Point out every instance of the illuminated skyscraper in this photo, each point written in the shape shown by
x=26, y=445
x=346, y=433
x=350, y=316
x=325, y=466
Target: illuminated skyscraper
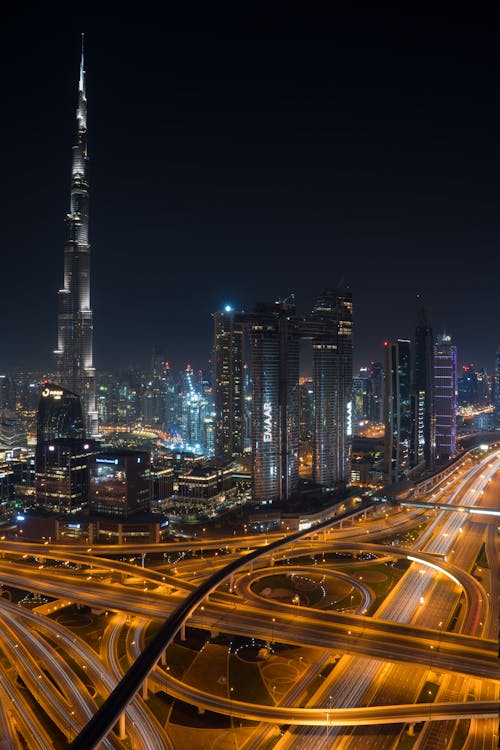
x=497, y=389
x=445, y=399
x=59, y=415
x=75, y=370
x=332, y=375
x=275, y=422
x=62, y=452
x=398, y=410
x=228, y=383
x=275, y=331
x=423, y=438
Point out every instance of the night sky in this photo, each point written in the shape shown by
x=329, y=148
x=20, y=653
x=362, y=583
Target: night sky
x=245, y=156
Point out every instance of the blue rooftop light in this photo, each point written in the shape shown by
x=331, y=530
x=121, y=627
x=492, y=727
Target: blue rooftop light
x=228, y=308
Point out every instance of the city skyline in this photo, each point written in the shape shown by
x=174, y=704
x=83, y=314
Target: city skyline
x=291, y=154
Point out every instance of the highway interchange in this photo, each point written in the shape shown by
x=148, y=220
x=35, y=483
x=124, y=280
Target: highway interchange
x=437, y=627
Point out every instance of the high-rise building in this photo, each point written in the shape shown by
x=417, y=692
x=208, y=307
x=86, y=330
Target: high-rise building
x=75, y=370
x=228, y=383
x=467, y=386
x=61, y=474
x=275, y=423
x=362, y=396
x=59, y=416
x=332, y=375
x=7, y=393
x=306, y=419
x=377, y=381
x=195, y=412
x=158, y=404
x=423, y=436
x=119, y=482
x=497, y=389
x=445, y=400
x=275, y=331
x=398, y=410
x=62, y=451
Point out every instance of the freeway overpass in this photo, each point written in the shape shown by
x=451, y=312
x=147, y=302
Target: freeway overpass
x=457, y=508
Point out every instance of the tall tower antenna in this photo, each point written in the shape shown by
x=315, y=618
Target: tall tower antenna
x=81, y=85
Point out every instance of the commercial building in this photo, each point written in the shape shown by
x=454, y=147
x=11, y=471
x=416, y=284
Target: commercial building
x=59, y=416
x=228, y=381
x=62, y=451
x=398, y=410
x=332, y=375
x=61, y=474
x=445, y=399
x=497, y=389
x=275, y=332
x=119, y=482
x=275, y=339
x=423, y=434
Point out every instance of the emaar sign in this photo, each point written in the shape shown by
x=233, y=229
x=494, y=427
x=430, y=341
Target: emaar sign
x=268, y=422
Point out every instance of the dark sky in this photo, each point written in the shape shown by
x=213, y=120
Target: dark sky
x=245, y=155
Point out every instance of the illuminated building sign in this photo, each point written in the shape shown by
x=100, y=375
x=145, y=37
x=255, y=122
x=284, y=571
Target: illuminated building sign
x=57, y=394
x=106, y=460
x=349, y=419
x=268, y=424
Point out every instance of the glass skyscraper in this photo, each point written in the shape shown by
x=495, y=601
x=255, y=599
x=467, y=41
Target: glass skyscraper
x=497, y=389
x=228, y=382
x=445, y=399
x=59, y=416
x=275, y=423
x=333, y=394
x=398, y=409
x=275, y=332
x=423, y=436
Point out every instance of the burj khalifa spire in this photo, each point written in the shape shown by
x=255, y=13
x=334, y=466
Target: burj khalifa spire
x=75, y=370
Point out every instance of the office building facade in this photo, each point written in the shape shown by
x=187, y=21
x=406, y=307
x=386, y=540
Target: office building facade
x=445, y=399
x=275, y=332
x=332, y=376
x=275, y=398
x=497, y=389
x=423, y=436
x=119, y=483
x=228, y=384
x=397, y=409
x=60, y=415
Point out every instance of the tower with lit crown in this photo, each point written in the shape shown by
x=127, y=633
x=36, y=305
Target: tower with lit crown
x=74, y=363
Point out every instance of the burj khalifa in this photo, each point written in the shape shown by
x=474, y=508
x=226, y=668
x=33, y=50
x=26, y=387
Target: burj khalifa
x=75, y=370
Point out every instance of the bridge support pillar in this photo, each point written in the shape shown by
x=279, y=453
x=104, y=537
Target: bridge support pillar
x=145, y=689
x=231, y=583
x=213, y=633
x=122, y=734
x=201, y=710
x=183, y=631
x=250, y=567
x=271, y=560
x=163, y=658
x=411, y=729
